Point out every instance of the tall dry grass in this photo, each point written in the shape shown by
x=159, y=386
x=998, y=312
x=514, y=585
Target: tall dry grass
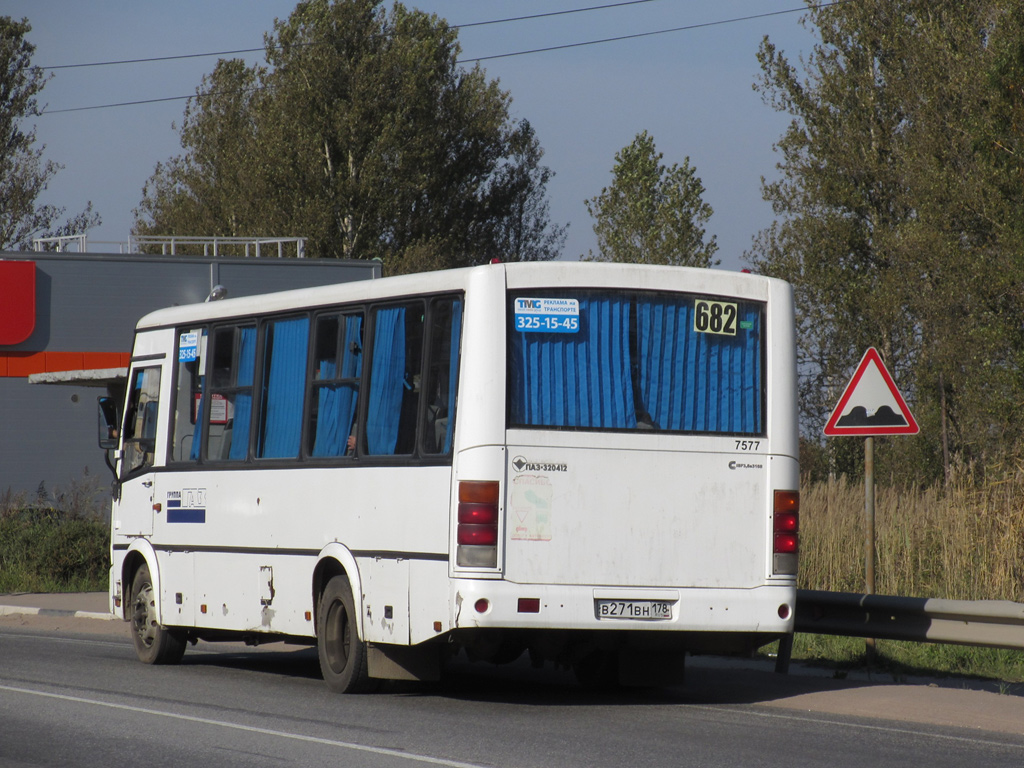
x=965, y=542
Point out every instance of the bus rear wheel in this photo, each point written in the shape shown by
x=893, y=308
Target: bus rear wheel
x=342, y=653
x=154, y=644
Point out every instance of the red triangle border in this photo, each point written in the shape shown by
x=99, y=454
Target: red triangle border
x=831, y=428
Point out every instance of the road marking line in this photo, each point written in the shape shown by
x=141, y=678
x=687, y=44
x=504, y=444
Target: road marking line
x=250, y=729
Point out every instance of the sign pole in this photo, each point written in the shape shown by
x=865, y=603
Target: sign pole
x=869, y=532
x=869, y=515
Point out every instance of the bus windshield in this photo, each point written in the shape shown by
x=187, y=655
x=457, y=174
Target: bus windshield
x=631, y=360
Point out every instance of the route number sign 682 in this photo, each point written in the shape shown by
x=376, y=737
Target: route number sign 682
x=715, y=317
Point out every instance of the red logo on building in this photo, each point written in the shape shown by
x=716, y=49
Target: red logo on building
x=17, y=301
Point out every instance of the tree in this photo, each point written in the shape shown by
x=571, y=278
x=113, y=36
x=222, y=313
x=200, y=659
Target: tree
x=24, y=173
x=651, y=213
x=900, y=204
x=363, y=135
x=215, y=188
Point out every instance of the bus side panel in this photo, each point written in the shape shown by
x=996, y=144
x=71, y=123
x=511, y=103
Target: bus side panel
x=177, y=588
x=783, y=424
x=252, y=593
x=386, y=600
x=257, y=534
x=430, y=607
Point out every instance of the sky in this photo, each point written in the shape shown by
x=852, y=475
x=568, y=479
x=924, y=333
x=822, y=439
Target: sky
x=690, y=89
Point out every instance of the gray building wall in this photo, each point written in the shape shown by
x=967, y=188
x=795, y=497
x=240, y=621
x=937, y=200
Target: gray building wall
x=91, y=303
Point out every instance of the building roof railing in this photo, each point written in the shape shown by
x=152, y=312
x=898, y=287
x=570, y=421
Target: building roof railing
x=173, y=245
x=62, y=244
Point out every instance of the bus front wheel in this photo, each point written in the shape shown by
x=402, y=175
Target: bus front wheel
x=342, y=653
x=154, y=644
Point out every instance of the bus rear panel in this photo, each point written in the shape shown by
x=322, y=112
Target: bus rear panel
x=648, y=477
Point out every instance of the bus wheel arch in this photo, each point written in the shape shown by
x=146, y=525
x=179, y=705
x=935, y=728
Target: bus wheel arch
x=336, y=560
x=140, y=553
x=129, y=567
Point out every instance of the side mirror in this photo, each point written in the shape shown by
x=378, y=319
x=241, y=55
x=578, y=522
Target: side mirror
x=108, y=423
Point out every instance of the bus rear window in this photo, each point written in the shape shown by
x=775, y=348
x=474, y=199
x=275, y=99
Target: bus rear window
x=616, y=360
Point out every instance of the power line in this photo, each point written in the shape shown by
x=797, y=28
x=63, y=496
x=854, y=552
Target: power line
x=483, y=58
x=552, y=13
x=645, y=34
x=152, y=58
x=258, y=50
x=117, y=104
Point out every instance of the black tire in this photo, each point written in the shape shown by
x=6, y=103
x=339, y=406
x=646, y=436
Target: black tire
x=154, y=644
x=342, y=653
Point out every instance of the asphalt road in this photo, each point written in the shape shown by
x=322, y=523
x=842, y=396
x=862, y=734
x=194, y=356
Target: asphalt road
x=72, y=694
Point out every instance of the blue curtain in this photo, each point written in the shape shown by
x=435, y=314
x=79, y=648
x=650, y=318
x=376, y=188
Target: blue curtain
x=386, y=382
x=197, y=431
x=699, y=382
x=453, y=372
x=337, y=402
x=287, y=341
x=243, y=400
x=576, y=379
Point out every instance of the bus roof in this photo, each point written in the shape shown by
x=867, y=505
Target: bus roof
x=517, y=275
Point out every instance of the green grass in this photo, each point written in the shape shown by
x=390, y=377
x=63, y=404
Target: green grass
x=901, y=660
x=46, y=550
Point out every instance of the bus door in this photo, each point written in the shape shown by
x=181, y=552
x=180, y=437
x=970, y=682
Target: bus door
x=135, y=507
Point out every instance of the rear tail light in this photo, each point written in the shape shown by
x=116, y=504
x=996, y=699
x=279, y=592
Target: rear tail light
x=477, y=531
x=528, y=605
x=786, y=531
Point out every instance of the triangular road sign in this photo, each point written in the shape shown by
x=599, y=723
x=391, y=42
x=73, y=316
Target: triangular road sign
x=871, y=404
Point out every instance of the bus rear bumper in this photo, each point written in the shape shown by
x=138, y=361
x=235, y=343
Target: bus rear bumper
x=479, y=604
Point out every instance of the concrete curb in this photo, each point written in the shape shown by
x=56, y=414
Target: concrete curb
x=18, y=610
x=63, y=605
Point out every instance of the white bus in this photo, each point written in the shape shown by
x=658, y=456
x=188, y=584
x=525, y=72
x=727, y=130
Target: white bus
x=593, y=463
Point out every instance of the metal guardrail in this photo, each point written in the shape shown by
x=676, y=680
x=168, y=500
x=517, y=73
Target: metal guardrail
x=986, y=623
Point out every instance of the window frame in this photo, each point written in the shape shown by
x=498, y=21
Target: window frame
x=314, y=385
x=231, y=390
x=196, y=387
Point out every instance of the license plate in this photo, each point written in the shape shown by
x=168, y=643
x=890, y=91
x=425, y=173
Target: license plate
x=643, y=610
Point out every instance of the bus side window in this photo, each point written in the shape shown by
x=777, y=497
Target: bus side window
x=334, y=387
x=441, y=376
x=140, y=420
x=187, y=415
x=394, y=385
x=229, y=413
